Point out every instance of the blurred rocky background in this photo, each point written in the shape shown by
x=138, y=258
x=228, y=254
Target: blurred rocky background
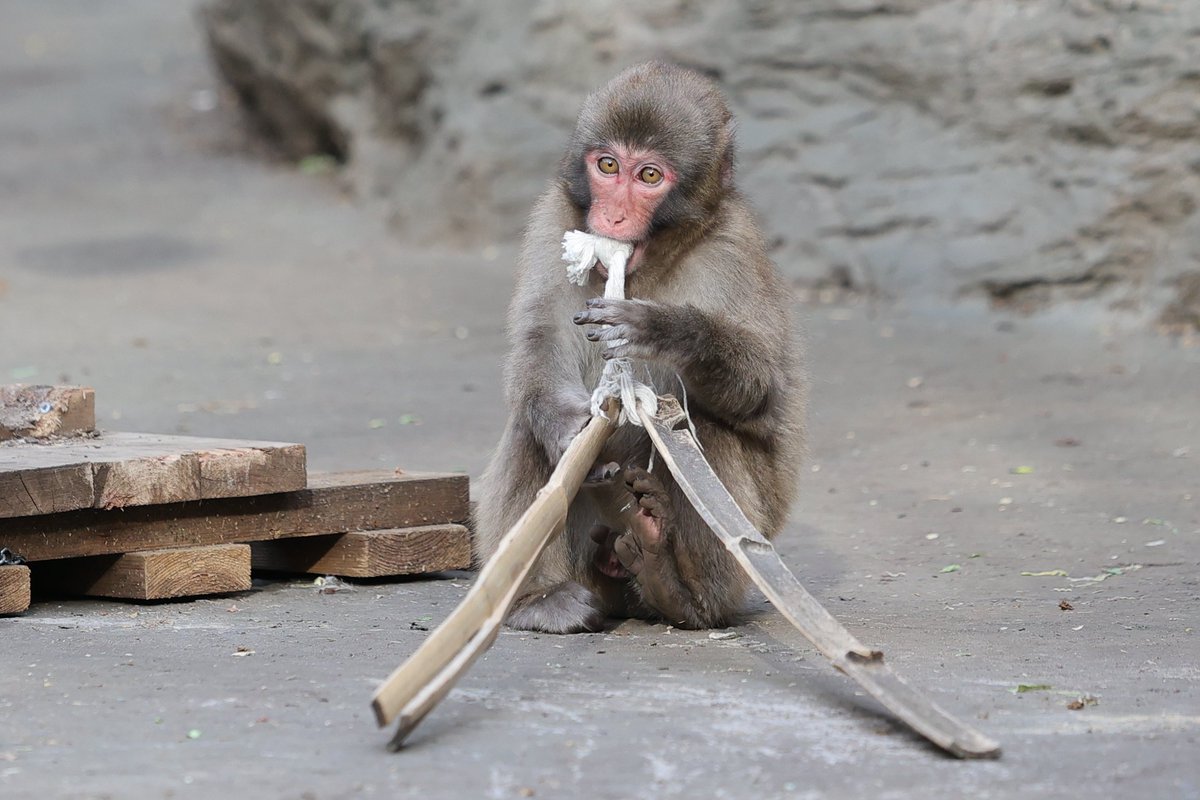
x=1025, y=153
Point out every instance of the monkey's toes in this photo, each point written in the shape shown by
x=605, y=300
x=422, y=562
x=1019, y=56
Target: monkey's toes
x=606, y=558
x=649, y=492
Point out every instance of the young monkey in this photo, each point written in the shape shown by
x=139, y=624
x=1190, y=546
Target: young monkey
x=651, y=164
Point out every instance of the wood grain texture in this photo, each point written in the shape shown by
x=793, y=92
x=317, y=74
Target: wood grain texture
x=331, y=504
x=151, y=574
x=369, y=554
x=38, y=412
x=117, y=470
x=14, y=588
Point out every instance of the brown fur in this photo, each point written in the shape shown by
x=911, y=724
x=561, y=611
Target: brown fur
x=710, y=309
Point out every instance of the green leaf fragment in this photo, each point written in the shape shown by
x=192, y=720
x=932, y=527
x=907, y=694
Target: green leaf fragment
x=951, y=568
x=1022, y=470
x=1021, y=688
x=1050, y=573
x=320, y=164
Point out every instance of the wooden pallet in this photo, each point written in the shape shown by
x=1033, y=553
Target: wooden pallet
x=148, y=517
x=357, y=525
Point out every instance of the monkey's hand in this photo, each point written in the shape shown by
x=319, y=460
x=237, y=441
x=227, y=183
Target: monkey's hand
x=726, y=368
x=556, y=418
x=631, y=326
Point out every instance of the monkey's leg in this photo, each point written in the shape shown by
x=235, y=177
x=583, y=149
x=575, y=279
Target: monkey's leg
x=566, y=593
x=677, y=571
x=551, y=599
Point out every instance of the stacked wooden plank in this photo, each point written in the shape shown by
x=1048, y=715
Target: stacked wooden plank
x=149, y=517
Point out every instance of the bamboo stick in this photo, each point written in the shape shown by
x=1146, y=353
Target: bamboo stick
x=417, y=685
x=756, y=555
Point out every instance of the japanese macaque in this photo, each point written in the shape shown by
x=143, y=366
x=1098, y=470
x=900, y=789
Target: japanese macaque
x=709, y=320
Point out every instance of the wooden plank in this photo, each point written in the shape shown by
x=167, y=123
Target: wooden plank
x=14, y=588
x=39, y=412
x=369, y=554
x=334, y=504
x=117, y=470
x=151, y=574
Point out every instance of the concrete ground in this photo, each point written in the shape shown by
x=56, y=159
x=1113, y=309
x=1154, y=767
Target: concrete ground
x=146, y=249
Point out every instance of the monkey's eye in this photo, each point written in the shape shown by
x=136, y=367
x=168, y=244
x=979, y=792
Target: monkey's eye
x=607, y=165
x=651, y=175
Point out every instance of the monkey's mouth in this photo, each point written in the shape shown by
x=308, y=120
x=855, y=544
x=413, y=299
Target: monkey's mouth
x=635, y=261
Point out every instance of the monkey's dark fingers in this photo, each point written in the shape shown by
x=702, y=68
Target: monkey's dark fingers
x=627, y=350
x=596, y=316
x=608, y=333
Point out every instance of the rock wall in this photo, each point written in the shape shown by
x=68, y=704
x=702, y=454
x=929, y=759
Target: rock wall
x=1024, y=151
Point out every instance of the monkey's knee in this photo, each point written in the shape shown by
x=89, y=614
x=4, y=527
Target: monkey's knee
x=567, y=607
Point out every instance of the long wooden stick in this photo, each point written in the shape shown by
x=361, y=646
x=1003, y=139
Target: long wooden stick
x=420, y=683
x=762, y=563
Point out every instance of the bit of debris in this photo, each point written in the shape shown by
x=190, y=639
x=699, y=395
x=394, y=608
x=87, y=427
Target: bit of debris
x=1106, y=573
x=1065, y=606
x=1083, y=702
x=1021, y=470
x=1050, y=573
x=194, y=733
x=1022, y=688
x=721, y=636
x=243, y=651
x=328, y=584
x=950, y=568
x=1067, y=441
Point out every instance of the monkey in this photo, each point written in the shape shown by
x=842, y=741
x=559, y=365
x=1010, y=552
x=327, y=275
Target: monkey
x=709, y=318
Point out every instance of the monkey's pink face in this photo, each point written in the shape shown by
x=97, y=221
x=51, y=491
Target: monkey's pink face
x=627, y=185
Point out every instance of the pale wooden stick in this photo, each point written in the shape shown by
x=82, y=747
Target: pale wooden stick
x=420, y=683
x=761, y=562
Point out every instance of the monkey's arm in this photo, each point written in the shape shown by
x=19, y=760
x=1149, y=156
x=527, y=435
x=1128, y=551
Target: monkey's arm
x=543, y=374
x=727, y=368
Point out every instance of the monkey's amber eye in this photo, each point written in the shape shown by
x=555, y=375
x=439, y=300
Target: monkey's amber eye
x=651, y=175
x=607, y=164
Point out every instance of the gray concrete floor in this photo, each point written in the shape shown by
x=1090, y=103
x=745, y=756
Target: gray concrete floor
x=145, y=249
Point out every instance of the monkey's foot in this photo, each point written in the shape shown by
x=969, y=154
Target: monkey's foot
x=567, y=607
x=606, y=557
x=643, y=547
